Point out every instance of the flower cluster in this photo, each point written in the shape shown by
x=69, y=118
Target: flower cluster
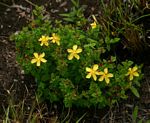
x=38, y=58
x=105, y=75
x=73, y=53
x=92, y=72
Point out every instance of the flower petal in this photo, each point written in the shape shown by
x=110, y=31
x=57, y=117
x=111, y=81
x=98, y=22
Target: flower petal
x=101, y=78
x=106, y=70
x=38, y=63
x=46, y=43
x=75, y=47
x=36, y=55
x=58, y=43
x=136, y=74
x=101, y=73
x=135, y=68
x=41, y=44
x=88, y=76
x=43, y=60
x=33, y=61
x=69, y=50
x=88, y=69
x=129, y=69
x=70, y=57
x=97, y=73
x=94, y=77
x=107, y=80
x=131, y=77
x=95, y=67
x=110, y=75
x=42, y=55
x=79, y=50
x=77, y=56
x=51, y=38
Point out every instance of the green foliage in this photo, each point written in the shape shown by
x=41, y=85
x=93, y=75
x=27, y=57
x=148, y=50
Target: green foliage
x=121, y=18
x=135, y=117
x=68, y=74
x=135, y=114
x=75, y=16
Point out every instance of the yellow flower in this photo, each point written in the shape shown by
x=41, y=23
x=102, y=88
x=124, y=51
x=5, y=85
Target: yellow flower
x=105, y=75
x=74, y=52
x=92, y=72
x=93, y=25
x=44, y=40
x=55, y=39
x=132, y=72
x=38, y=59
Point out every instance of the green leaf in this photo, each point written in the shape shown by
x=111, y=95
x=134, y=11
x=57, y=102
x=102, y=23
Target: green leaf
x=65, y=15
x=115, y=40
x=89, y=45
x=135, y=113
x=75, y=3
x=134, y=91
x=113, y=58
x=141, y=121
x=107, y=40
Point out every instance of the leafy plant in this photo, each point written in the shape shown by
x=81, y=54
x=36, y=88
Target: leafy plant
x=121, y=18
x=75, y=65
x=75, y=16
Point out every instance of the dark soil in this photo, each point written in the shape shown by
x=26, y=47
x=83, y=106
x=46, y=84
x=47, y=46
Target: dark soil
x=13, y=82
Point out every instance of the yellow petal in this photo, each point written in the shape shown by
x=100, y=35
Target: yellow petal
x=33, y=61
x=36, y=55
x=107, y=80
x=101, y=73
x=69, y=50
x=53, y=41
x=75, y=47
x=43, y=60
x=129, y=69
x=131, y=77
x=58, y=43
x=101, y=78
x=135, y=68
x=95, y=67
x=93, y=25
x=77, y=56
x=41, y=44
x=88, y=69
x=38, y=63
x=51, y=38
x=106, y=70
x=42, y=55
x=53, y=34
x=110, y=75
x=46, y=44
x=97, y=73
x=136, y=74
x=70, y=57
x=88, y=76
x=79, y=51
x=94, y=77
